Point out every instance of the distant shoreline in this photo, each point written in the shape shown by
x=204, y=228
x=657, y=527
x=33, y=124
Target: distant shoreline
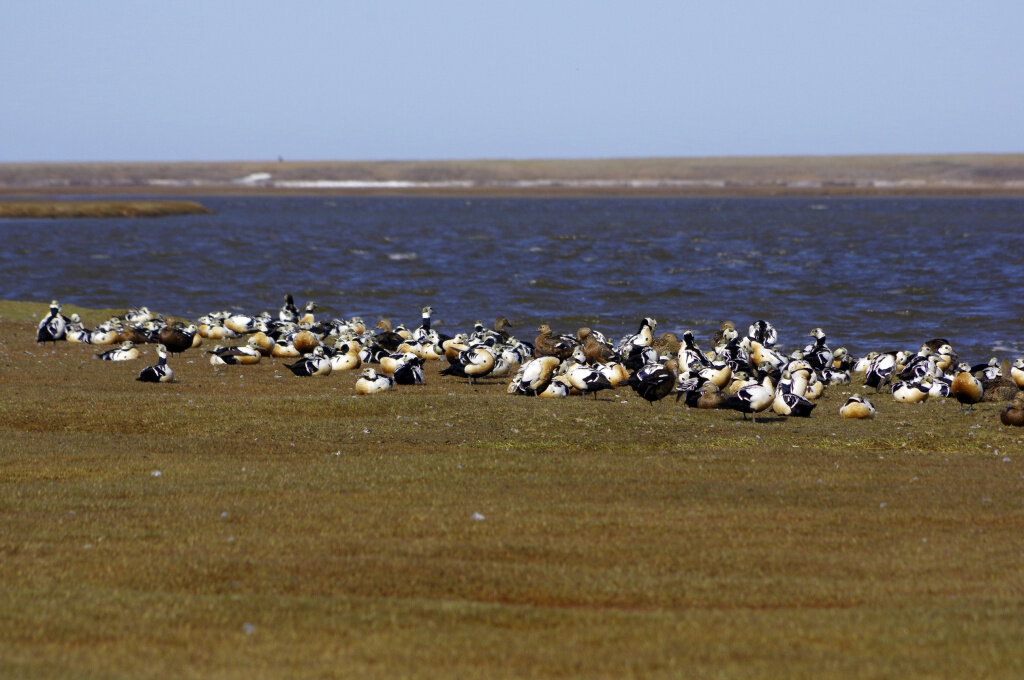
x=920, y=175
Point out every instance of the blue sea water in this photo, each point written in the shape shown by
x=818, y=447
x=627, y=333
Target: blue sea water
x=875, y=273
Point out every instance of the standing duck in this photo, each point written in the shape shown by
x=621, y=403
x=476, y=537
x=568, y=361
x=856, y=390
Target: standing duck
x=751, y=399
x=819, y=355
x=595, y=351
x=289, y=313
x=763, y=332
x=177, y=339
x=549, y=345
x=161, y=372
x=54, y=326
x=652, y=382
x=966, y=389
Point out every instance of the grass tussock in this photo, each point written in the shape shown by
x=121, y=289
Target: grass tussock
x=245, y=523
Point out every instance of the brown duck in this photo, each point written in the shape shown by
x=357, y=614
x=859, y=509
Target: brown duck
x=1013, y=413
x=595, y=351
x=547, y=345
x=177, y=339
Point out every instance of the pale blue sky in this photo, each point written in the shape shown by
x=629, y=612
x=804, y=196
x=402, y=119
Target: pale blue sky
x=318, y=80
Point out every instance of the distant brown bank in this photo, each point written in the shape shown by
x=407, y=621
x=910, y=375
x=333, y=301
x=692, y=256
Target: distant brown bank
x=70, y=208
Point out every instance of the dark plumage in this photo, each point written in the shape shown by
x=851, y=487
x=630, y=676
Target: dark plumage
x=998, y=389
x=409, y=371
x=177, y=339
x=652, y=382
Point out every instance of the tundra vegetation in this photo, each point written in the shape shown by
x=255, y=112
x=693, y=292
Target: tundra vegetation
x=245, y=523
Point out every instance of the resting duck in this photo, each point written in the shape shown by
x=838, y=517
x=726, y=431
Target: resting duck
x=370, y=382
x=615, y=371
x=999, y=388
x=305, y=341
x=987, y=371
x=137, y=317
x=246, y=355
x=107, y=333
x=726, y=332
x=161, y=372
x=409, y=370
x=583, y=378
x=880, y=371
x=558, y=388
x=76, y=332
x=857, y=407
x=911, y=392
x=472, y=363
x=241, y=323
x=1016, y=373
x=126, y=352
x=346, y=356
x=316, y=365
x=1013, y=413
x=761, y=353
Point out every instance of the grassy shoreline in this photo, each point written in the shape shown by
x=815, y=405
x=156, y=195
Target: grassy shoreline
x=246, y=523
x=65, y=208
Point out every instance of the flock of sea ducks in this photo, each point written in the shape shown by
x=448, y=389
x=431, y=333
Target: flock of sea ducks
x=742, y=371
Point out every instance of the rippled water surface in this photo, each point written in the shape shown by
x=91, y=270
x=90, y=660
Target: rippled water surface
x=874, y=273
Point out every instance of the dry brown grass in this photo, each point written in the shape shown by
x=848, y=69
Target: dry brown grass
x=295, y=530
x=65, y=209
